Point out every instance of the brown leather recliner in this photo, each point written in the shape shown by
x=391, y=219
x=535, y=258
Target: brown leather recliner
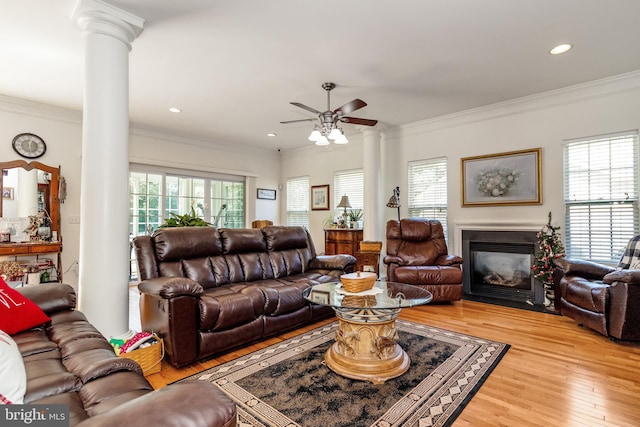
x=600, y=297
x=417, y=254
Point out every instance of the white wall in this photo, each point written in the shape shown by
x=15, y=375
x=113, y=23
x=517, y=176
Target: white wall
x=544, y=120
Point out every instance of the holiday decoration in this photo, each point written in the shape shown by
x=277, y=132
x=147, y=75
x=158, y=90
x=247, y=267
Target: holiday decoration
x=549, y=247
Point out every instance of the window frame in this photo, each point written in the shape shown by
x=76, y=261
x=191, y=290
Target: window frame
x=416, y=205
x=600, y=216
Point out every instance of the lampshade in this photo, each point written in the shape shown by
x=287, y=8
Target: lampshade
x=335, y=133
x=315, y=135
x=322, y=140
x=344, y=202
x=341, y=139
x=393, y=202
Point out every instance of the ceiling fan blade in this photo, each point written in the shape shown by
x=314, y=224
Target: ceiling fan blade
x=296, y=121
x=313, y=110
x=347, y=108
x=358, y=121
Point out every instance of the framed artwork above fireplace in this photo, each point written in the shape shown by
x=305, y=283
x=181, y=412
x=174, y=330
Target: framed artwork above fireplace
x=510, y=178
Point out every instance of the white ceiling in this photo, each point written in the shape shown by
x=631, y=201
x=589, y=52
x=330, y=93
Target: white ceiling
x=233, y=66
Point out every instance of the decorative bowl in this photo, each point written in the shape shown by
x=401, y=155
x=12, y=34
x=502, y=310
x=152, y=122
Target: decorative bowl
x=358, y=281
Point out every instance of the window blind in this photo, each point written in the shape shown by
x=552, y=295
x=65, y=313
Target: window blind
x=351, y=184
x=427, y=193
x=298, y=201
x=601, y=195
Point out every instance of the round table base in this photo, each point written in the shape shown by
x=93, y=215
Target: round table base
x=366, y=351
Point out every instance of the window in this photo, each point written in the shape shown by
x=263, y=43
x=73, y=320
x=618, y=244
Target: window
x=427, y=196
x=298, y=201
x=351, y=184
x=600, y=195
x=155, y=194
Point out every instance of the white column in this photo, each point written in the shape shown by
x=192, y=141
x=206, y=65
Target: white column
x=104, y=203
x=372, y=185
x=28, y=192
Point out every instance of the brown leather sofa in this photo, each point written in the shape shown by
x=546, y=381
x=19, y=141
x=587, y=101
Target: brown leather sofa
x=600, y=297
x=206, y=291
x=417, y=254
x=69, y=362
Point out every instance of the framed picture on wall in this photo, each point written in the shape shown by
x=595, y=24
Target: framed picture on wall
x=7, y=193
x=511, y=178
x=320, y=197
x=264, y=193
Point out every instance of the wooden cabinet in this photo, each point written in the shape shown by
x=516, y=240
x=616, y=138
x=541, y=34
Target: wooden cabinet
x=342, y=241
x=368, y=257
x=35, y=249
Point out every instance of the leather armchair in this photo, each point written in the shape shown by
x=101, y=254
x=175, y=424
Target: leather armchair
x=600, y=297
x=417, y=254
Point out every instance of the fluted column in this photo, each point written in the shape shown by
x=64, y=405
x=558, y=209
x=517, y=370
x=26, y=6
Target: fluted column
x=107, y=33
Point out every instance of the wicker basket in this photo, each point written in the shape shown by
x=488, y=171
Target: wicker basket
x=368, y=246
x=358, y=282
x=148, y=358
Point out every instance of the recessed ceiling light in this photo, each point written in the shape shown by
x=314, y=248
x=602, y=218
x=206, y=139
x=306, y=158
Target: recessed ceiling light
x=175, y=110
x=561, y=48
x=272, y=134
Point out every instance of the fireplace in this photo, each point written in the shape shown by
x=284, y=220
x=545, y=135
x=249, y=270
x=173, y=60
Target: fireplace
x=497, y=268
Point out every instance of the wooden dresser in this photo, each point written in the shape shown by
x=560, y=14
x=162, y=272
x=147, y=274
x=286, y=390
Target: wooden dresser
x=342, y=241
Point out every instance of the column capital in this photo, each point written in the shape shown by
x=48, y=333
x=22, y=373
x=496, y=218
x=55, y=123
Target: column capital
x=96, y=16
x=369, y=131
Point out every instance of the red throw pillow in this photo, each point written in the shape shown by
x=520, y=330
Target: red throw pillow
x=17, y=312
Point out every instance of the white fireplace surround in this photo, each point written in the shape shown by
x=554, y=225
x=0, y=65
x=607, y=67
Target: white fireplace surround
x=459, y=227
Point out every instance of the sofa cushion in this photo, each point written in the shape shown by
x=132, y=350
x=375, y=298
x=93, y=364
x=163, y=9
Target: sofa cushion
x=280, y=238
x=631, y=257
x=428, y=275
x=229, y=306
x=174, y=244
x=13, y=378
x=17, y=312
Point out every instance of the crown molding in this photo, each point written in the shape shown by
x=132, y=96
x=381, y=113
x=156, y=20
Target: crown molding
x=36, y=109
x=623, y=83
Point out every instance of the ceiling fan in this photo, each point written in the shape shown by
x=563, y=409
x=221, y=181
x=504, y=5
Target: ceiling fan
x=329, y=120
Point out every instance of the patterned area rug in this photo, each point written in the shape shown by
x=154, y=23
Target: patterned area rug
x=288, y=384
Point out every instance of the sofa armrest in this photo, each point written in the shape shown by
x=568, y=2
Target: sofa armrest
x=170, y=287
x=185, y=404
x=332, y=262
x=449, y=260
x=392, y=259
x=51, y=297
x=625, y=276
x=586, y=269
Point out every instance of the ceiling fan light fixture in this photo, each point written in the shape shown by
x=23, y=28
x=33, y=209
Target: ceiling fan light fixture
x=315, y=135
x=335, y=133
x=341, y=139
x=322, y=141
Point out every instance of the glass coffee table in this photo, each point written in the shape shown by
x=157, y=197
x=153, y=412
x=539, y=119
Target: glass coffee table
x=366, y=345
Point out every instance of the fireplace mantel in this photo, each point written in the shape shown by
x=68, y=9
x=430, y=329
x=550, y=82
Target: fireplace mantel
x=459, y=227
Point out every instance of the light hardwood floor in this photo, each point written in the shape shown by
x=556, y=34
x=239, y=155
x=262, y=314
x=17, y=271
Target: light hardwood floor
x=556, y=373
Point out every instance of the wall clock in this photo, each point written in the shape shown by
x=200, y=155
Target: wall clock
x=29, y=145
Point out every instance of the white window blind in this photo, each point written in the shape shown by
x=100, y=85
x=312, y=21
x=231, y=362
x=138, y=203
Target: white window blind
x=601, y=195
x=427, y=195
x=348, y=183
x=298, y=201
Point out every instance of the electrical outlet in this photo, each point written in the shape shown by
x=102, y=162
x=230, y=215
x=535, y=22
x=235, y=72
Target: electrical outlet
x=74, y=220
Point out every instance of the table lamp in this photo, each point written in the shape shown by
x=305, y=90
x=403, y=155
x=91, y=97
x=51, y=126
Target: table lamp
x=344, y=203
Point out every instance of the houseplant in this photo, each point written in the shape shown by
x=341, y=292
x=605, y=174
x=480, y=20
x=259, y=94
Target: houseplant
x=355, y=215
x=189, y=219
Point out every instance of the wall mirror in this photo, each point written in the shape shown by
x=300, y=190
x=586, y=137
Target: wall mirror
x=30, y=188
